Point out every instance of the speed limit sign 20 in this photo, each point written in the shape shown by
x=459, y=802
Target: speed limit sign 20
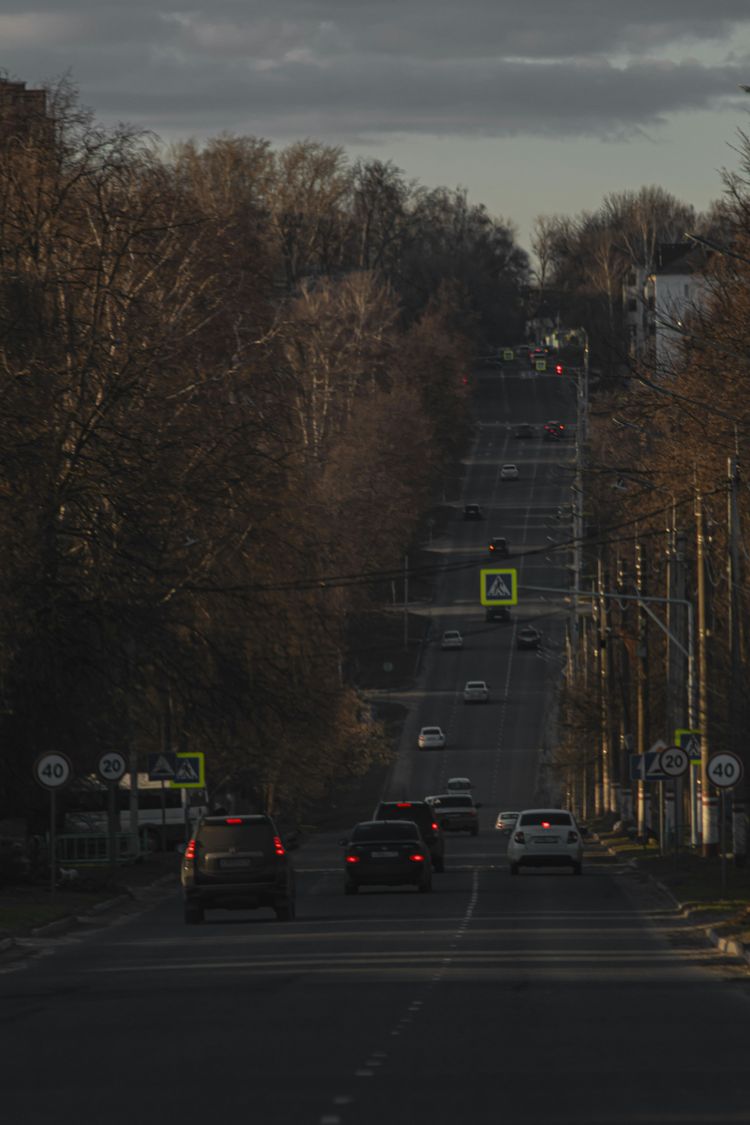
x=112, y=766
x=724, y=770
x=53, y=770
x=674, y=761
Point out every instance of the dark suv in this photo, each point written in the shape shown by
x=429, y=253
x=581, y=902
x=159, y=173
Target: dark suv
x=237, y=863
x=422, y=815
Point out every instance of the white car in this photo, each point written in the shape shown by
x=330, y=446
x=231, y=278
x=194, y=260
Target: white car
x=506, y=822
x=458, y=785
x=545, y=838
x=476, y=691
x=509, y=472
x=431, y=738
x=451, y=639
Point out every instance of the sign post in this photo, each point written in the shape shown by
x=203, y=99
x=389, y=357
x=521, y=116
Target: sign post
x=111, y=767
x=675, y=763
x=53, y=771
x=724, y=770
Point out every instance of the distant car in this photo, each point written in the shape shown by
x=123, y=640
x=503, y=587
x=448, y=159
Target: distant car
x=458, y=785
x=457, y=812
x=528, y=637
x=525, y=430
x=476, y=691
x=386, y=853
x=497, y=613
x=451, y=639
x=473, y=512
x=498, y=546
x=509, y=472
x=505, y=822
x=545, y=838
x=422, y=815
x=554, y=430
x=236, y=863
x=431, y=738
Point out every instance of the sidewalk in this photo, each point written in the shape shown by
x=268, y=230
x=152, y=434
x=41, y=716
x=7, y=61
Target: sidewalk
x=32, y=911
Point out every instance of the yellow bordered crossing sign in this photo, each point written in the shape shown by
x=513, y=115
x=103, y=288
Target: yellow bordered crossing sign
x=498, y=586
x=190, y=771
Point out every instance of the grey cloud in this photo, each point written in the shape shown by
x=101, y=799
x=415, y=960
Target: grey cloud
x=349, y=69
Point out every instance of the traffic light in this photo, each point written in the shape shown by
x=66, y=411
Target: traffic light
x=558, y=369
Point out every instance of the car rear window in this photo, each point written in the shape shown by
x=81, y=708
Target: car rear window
x=538, y=818
x=460, y=800
x=404, y=830
x=431, y=730
x=246, y=837
x=420, y=813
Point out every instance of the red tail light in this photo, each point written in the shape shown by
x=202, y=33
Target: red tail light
x=352, y=859
x=190, y=850
x=558, y=368
x=417, y=858
x=545, y=824
x=520, y=838
x=403, y=804
x=233, y=820
x=280, y=849
x=435, y=826
x=572, y=837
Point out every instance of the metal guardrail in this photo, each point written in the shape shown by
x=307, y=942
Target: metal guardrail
x=93, y=848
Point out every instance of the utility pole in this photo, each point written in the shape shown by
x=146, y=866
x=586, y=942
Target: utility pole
x=606, y=761
x=679, y=705
x=626, y=729
x=406, y=603
x=642, y=692
x=737, y=709
x=709, y=818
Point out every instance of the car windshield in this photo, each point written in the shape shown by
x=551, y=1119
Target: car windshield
x=430, y=730
x=509, y=815
x=474, y=684
x=462, y=800
x=551, y=817
x=386, y=830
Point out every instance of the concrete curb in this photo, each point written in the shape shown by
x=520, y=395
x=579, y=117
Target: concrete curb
x=69, y=921
x=732, y=947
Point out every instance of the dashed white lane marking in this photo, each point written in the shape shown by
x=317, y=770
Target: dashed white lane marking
x=376, y=1059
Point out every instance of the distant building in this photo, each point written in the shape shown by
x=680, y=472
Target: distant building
x=23, y=112
x=656, y=302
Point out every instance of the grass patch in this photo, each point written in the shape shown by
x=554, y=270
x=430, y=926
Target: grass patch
x=695, y=881
x=21, y=914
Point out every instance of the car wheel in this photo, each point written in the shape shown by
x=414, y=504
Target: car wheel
x=350, y=888
x=438, y=866
x=193, y=915
x=576, y=869
x=284, y=910
x=514, y=869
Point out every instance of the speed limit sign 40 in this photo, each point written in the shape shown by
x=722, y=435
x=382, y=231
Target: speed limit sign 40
x=53, y=770
x=724, y=770
x=674, y=761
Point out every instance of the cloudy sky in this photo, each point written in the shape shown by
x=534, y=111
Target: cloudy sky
x=535, y=106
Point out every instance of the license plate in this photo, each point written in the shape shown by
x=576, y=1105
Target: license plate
x=546, y=839
x=235, y=862
x=384, y=855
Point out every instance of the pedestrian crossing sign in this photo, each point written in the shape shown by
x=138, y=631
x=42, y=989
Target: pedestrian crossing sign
x=190, y=771
x=498, y=586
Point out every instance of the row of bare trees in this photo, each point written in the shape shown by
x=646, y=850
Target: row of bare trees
x=668, y=509
x=228, y=375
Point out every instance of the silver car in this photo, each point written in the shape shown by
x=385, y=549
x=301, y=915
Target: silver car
x=476, y=691
x=451, y=639
x=545, y=838
x=506, y=822
x=431, y=738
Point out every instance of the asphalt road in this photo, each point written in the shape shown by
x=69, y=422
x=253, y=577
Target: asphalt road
x=544, y=998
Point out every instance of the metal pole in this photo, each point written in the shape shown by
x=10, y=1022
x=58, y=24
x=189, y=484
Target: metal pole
x=52, y=842
x=723, y=845
x=708, y=801
x=736, y=700
x=406, y=603
x=112, y=826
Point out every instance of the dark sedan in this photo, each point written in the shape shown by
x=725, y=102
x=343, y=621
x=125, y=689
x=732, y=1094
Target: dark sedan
x=528, y=637
x=386, y=853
